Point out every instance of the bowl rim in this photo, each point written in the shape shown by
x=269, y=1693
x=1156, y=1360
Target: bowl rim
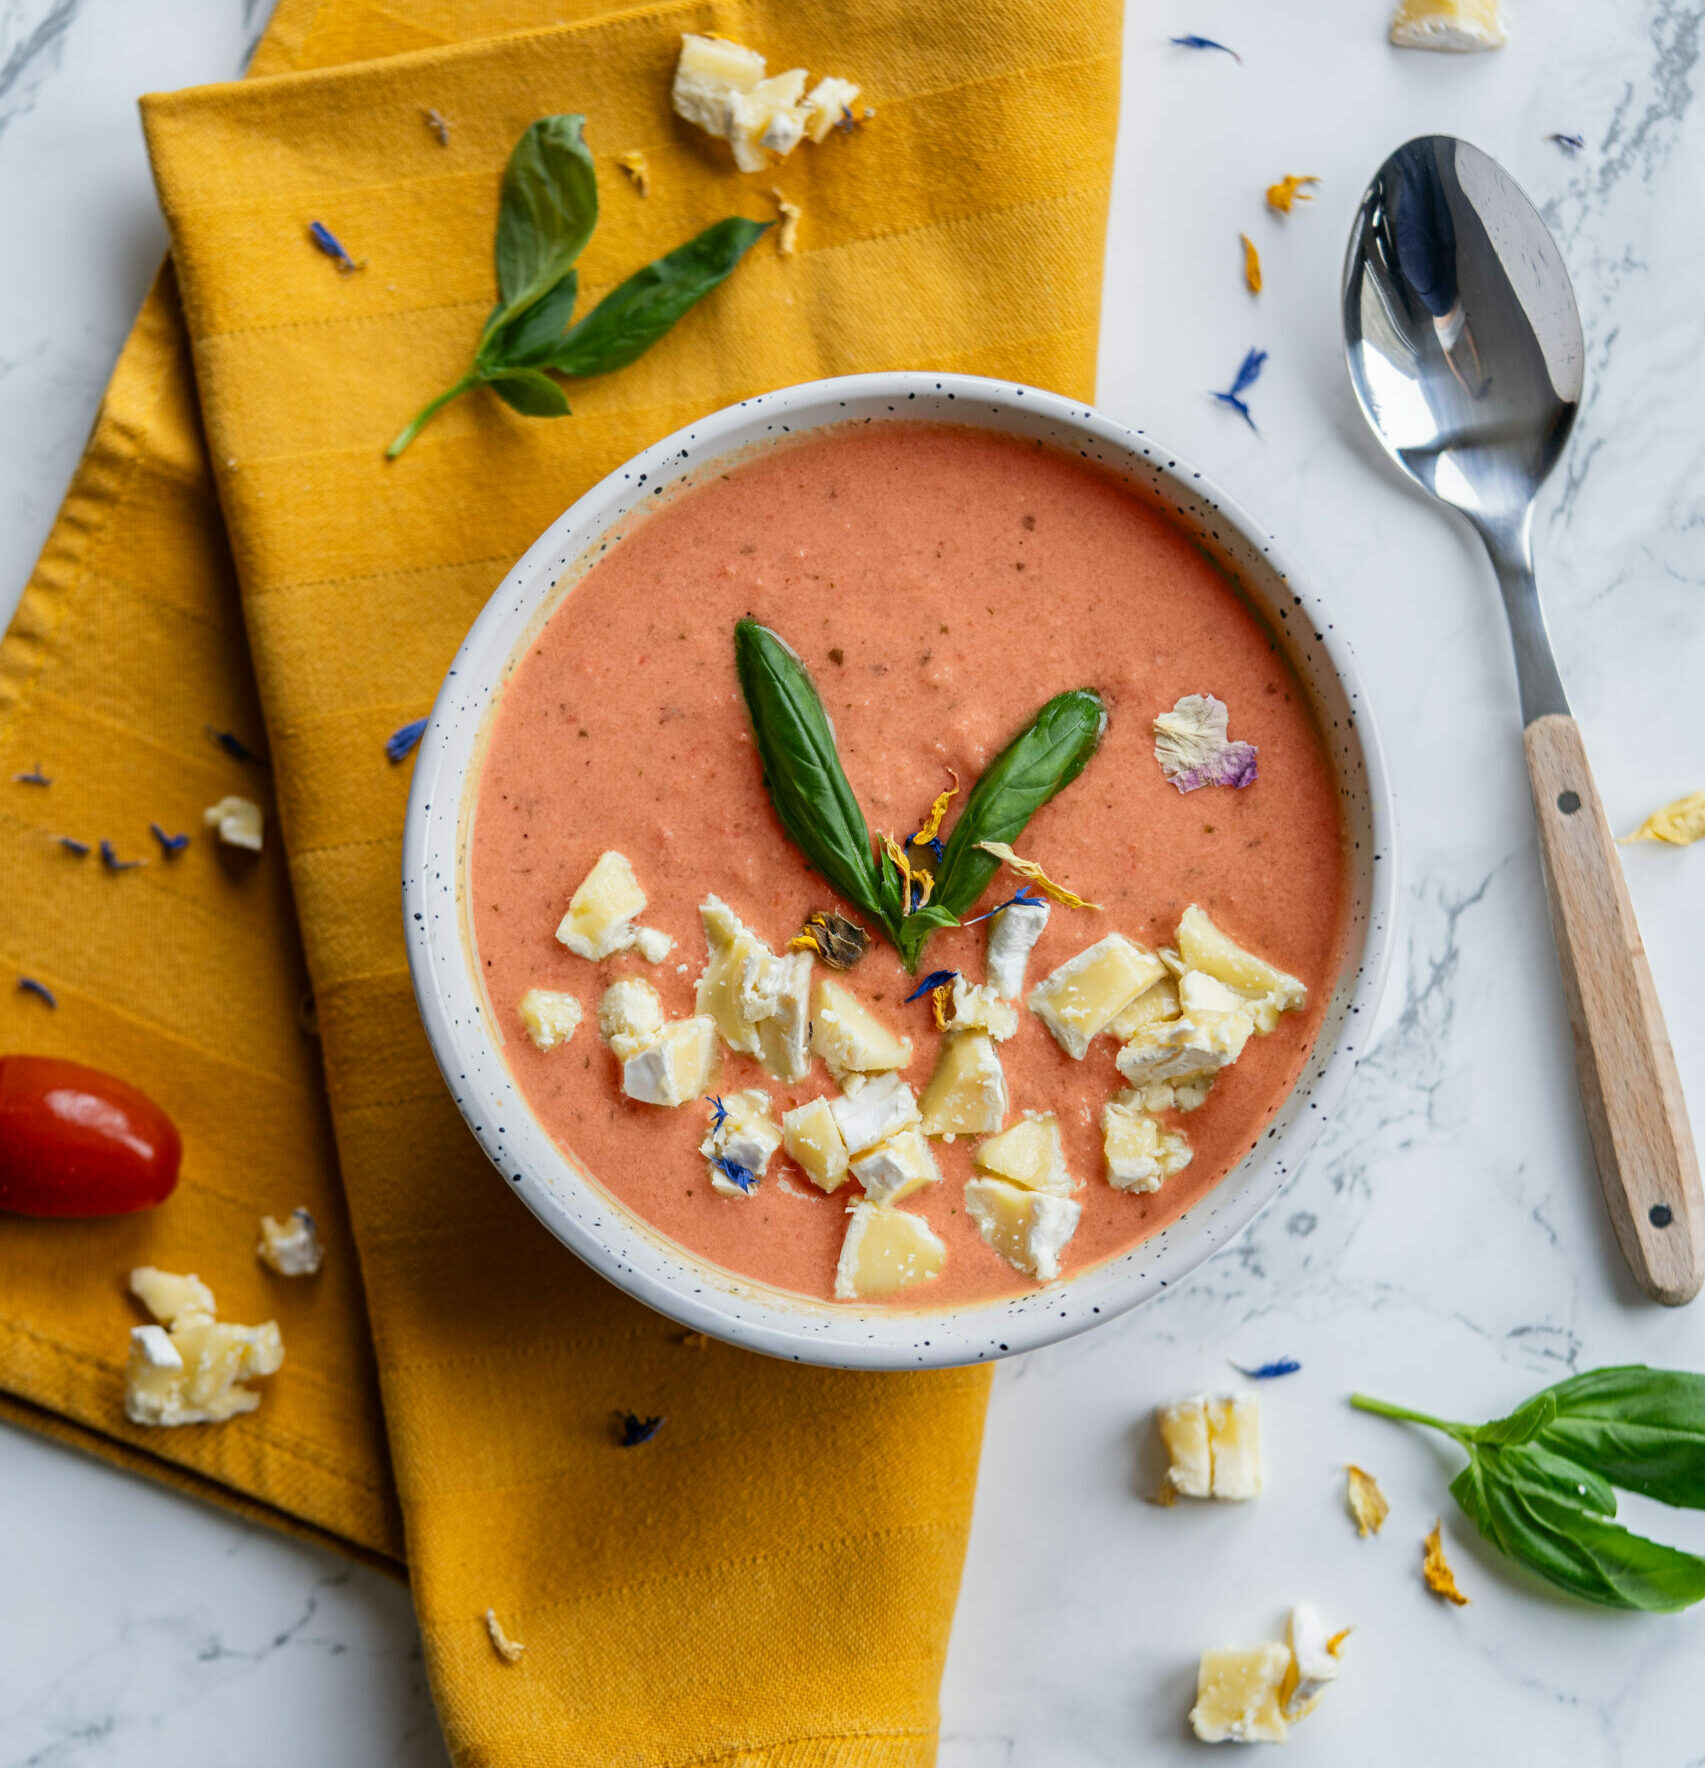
x=458, y=1019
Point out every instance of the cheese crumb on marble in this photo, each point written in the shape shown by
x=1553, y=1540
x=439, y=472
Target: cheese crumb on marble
x=896, y=1167
x=191, y=1369
x=850, y=1038
x=1459, y=26
x=508, y=1649
x=966, y=1095
x=745, y=1134
x=1031, y=1153
x=1140, y=1154
x=1013, y=932
x=238, y=821
x=1214, y=1447
x=879, y=1109
x=1029, y=1229
x=1078, y=1001
x=885, y=1250
x=677, y=1065
x=1237, y=1695
x=600, y=918
x=761, y=1003
x=291, y=1247
x=630, y=1016
x=723, y=88
x=550, y=1017
x=814, y=1143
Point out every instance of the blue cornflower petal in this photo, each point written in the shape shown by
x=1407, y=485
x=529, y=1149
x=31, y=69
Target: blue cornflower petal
x=401, y=742
x=1270, y=1371
x=735, y=1173
x=718, y=1112
x=72, y=845
x=233, y=745
x=1192, y=41
x=39, y=989
x=332, y=246
x=1570, y=144
x=1025, y=895
x=637, y=1430
x=936, y=979
x=35, y=777
x=170, y=845
x=110, y=859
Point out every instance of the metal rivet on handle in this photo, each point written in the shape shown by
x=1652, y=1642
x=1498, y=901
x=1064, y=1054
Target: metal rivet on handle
x=1568, y=802
x=1661, y=1215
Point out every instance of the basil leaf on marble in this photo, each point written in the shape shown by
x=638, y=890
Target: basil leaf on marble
x=546, y=214
x=1539, y=1483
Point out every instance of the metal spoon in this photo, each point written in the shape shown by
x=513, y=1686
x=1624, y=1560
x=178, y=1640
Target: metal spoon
x=1464, y=345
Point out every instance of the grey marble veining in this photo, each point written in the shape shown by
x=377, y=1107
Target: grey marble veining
x=1445, y=1245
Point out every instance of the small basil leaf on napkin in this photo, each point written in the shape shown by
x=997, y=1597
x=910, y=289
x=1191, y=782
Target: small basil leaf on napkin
x=548, y=210
x=1539, y=1483
x=1040, y=761
x=802, y=768
x=635, y=314
x=530, y=392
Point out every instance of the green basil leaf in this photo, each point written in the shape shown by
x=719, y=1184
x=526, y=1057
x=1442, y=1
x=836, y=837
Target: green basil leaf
x=1041, y=760
x=1533, y=1465
x=1521, y=1426
x=1643, y=1429
x=916, y=928
x=635, y=314
x=802, y=769
x=528, y=340
x=546, y=213
x=530, y=392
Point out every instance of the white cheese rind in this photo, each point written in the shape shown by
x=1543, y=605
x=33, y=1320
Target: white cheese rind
x=205, y=1383
x=1213, y=1025
x=966, y=1095
x=599, y=921
x=746, y=1136
x=1265, y=990
x=1080, y=999
x=677, y=1065
x=711, y=72
x=1141, y=1155
x=1313, y=1663
x=885, y=1250
x=1461, y=27
x=880, y=1109
x=549, y=1016
x=978, y=1006
x=897, y=1167
x=1013, y=933
x=291, y=1247
x=761, y=1003
x=630, y=1016
x=827, y=106
x=1029, y=1229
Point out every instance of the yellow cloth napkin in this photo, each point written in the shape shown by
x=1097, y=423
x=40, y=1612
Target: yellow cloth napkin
x=771, y=1580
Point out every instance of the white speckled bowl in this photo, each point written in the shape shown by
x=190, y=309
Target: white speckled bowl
x=465, y=1033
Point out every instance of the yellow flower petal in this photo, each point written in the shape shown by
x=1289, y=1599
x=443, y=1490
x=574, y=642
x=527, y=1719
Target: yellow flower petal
x=506, y=1648
x=1367, y=1502
x=931, y=826
x=1290, y=190
x=1251, y=264
x=638, y=168
x=787, y=235
x=1441, y=1580
x=1680, y=823
x=1028, y=868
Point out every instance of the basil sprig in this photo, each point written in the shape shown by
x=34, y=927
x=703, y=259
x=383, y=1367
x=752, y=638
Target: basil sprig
x=1538, y=1483
x=548, y=209
x=817, y=807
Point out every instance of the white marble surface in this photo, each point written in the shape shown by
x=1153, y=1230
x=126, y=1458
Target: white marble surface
x=1444, y=1246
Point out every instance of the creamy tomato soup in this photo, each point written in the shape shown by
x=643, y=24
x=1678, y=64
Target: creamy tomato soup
x=940, y=584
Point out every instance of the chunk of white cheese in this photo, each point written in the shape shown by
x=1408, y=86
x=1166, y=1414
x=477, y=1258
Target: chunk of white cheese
x=769, y=120
x=976, y=1006
x=761, y=1002
x=1266, y=990
x=550, y=1017
x=744, y=1135
x=152, y=1346
x=677, y=1065
x=711, y=73
x=1215, y=1446
x=967, y=1093
x=1140, y=1154
x=879, y=1109
x=1013, y=933
x=239, y=822
x=814, y=1143
x=885, y=1250
x=1213, y=1025
x=1087, y=993
x=1029, y=1229
x=1155, y=1003
x=897, y=1167
x=829, y=104
x=1314, y=1662
x=1459, y=26
x=850, y=1038
x=1237, y=1695
x=1030, y=1154
x=652, y=944
x=171, y=1298
x=291, y=1247
x=630, y=1015
x=601, y=912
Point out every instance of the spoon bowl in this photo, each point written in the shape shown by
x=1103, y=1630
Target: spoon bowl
x=1464, y=346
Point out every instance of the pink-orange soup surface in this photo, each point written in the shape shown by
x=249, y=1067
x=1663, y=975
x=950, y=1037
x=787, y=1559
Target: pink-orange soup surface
x=940, y=584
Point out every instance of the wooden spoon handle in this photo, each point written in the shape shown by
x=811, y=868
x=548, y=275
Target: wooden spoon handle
x=1636, y=1114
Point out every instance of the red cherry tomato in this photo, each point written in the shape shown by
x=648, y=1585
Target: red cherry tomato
x=76, y=1142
